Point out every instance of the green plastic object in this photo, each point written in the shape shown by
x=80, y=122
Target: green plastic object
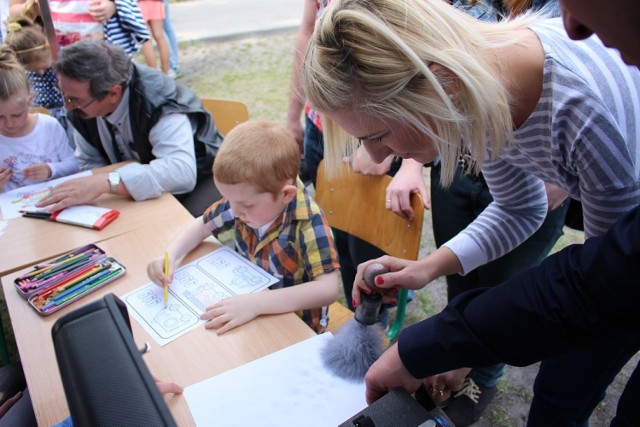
x=395, y=329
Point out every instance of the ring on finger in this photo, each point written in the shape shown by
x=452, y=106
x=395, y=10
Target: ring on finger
x=436, y=392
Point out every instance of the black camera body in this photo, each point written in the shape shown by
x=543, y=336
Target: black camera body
x=399, y=408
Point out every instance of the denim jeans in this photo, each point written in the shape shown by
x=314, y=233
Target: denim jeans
x=172, y=40
x=454, y=208
x=313, y=148
x=628, y=410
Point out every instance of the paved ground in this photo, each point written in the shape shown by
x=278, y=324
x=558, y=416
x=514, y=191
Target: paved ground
x=209, y=20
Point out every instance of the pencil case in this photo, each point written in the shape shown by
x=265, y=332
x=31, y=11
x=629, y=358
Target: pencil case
x=53, y=298
x=53, y=285
x=51, y=273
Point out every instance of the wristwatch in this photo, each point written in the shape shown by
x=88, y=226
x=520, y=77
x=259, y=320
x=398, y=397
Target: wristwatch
x=113, y=178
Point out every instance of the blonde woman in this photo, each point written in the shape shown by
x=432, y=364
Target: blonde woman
x=516, y=100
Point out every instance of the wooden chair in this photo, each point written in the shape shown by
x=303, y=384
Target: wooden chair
x=40, y=110
x=355, y=203
x=226, y=113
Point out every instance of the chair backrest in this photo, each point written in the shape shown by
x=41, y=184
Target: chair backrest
x=40, y=110
x=355, y=204
x=226, y=113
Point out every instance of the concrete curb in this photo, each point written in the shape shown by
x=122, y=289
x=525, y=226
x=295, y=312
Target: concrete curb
x=227, y=37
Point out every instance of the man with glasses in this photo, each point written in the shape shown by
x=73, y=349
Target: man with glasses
x=123, y=111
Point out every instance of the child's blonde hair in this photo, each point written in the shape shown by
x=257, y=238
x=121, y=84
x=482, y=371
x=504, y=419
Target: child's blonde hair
x=258, y=153
x=28, y=41
x=395, y=59
x=13, y=78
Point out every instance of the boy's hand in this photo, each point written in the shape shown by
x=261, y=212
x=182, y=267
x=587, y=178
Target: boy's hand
x=231, y=312
x=167, y=388
x=39, y=172
x=155, y=271
x=5, y=176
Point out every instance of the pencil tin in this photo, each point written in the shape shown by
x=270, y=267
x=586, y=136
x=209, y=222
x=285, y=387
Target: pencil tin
x=53, y=298
x=52, y=273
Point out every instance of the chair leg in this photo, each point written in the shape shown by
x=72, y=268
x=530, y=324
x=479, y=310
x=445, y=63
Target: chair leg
x=4, y=351
x=394, y=330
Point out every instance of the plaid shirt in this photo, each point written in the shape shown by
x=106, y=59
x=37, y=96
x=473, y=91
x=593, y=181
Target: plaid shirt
x=296, y=248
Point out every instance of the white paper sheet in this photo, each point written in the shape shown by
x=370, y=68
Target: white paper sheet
x=290, y=387
x=196, y=286
x=26, y=197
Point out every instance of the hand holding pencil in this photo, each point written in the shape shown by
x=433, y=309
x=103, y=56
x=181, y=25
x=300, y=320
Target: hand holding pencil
x=160, y=270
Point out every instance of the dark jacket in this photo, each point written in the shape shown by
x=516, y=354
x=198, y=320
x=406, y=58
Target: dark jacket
x=581, y=296
x=153, y=95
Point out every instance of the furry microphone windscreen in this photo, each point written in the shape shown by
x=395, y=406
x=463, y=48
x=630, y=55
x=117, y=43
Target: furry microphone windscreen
x=353, y=350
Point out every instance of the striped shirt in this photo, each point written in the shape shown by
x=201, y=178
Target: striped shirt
x=582, y=136
x=296, y=248
x=126, y=28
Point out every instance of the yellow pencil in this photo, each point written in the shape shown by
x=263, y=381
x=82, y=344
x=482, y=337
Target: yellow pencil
x=166, y=275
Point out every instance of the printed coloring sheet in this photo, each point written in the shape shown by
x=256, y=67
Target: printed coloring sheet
x=26, y=197
x=196, y=286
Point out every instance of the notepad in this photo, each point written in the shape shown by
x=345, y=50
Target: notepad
x=82, y=215
x=86, y=216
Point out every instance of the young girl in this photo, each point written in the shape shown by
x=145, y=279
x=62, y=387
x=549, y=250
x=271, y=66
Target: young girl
x=153, y=14
x=33, y=147
x=29, y=43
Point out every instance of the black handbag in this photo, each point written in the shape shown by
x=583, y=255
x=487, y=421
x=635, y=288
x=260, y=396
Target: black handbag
x=105, y=380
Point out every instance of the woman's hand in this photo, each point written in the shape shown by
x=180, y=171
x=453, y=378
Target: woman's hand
x=402, y=274
x=361, y=163
x=408, y=180
x=405, y=274
x=555, y=195
x=231, y=312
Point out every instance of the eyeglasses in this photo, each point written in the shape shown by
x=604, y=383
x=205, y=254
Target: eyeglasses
x=74, y=102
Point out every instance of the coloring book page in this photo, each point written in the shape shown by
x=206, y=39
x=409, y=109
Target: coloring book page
x=290, y=387
x=26, y=197
x=196, y=286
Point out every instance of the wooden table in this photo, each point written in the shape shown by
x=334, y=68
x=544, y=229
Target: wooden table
x=191, y=358
x=28, y=241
